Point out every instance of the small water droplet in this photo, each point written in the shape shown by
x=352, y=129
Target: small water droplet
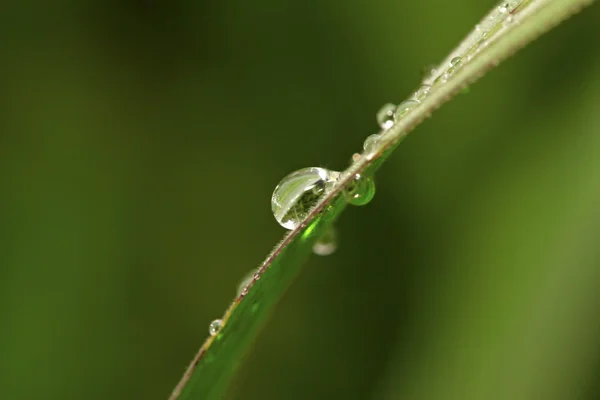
x=478, y=28
x=360, y=191
x=503, y=7
x=256, y=276
x=246, y=280
x=456, y=62
x=428, y=72
x=297, y=194
x=327, y=244
x=385, y=115
x=370, y=142
x=403, y=108
x=215, y=327
x=422, y=92
x=355, y=157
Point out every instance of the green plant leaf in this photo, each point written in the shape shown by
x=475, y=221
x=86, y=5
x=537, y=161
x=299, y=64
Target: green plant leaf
x=504, y=33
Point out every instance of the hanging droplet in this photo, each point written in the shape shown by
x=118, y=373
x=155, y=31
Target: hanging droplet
x=370, y=142
x=385, y=116
x=297, y=194
x=360, y=191
x=422, y=92
x=215, y=327
x=327, y=244
x=403, y=108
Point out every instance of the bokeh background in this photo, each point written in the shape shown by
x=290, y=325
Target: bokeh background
x=140, y=142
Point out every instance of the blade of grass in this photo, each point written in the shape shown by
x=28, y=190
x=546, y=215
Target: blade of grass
x=215, y=364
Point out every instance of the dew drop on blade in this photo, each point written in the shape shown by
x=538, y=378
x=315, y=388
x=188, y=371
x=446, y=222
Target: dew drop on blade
x=403, y=108
x=370, y=142
x=360, y=191
x=385, y=115
x=422, y=92
x=456, y=62
x=246, y=280
x=327, y=244
x=215, y=327
x=298, y=193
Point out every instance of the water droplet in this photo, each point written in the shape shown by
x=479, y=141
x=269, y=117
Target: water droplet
x=215, y=327
x=385, y=115
x=355, y=157
x=370, y=142
x=428, y=72
x=478, y=27
x=456, y=62
x=422, y=92
x=403, y=108
x=327, y=244
x=297, y=194
x=256, y=276
x=246, y=280
x=503, y=7
x=360, y=191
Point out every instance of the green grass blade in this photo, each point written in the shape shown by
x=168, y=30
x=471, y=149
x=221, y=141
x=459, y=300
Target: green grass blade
x=212, y=369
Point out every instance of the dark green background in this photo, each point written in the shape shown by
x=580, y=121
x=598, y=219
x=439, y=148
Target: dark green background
x=140, y=142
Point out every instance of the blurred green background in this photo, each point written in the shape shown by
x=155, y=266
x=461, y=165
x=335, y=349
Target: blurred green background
x=140, y=142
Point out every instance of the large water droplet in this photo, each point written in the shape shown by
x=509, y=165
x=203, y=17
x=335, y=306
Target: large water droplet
x=404, y=107
x=297, y=194
x=215, y=327
x=327, y=244
x=422, y=92
x=385, y=115
x=360, y=191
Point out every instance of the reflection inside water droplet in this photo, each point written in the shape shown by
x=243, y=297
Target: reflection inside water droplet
x=298, y=193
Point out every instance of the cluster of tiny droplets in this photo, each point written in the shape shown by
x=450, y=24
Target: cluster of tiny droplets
x=477, y=40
